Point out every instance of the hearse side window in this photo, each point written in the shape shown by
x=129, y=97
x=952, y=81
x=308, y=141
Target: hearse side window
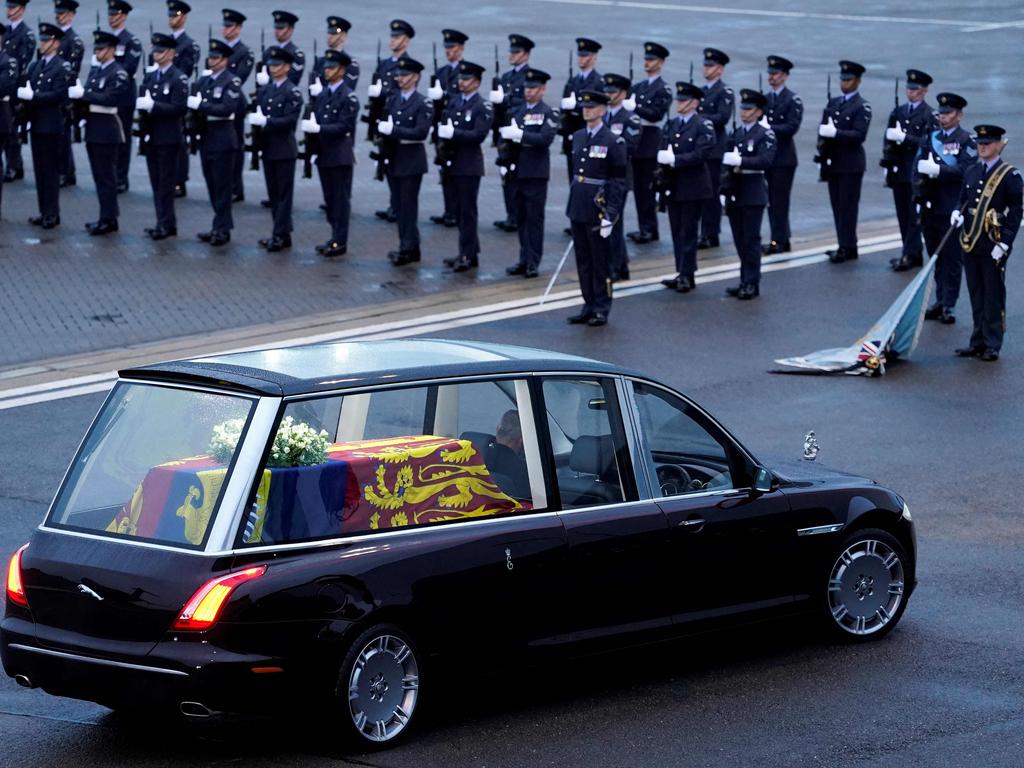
x=685, y=455
x=587, y=442
x=396, y=458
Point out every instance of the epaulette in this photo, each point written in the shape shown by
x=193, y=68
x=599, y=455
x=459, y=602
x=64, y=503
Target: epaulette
x=236, y=81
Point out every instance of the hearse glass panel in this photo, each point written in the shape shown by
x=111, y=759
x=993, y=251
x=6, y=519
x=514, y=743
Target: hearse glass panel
x=396, y=458
x=154, y=465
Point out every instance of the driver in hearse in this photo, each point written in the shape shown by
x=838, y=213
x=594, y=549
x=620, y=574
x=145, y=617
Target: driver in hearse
x=504, y=456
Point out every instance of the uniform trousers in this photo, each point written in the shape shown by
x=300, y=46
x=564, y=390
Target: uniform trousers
x=910, y=224
x=67, y=157
x=948, y=265
x=684, y=220
x=593, y=259
x=12, y=147
x=448, y=193
x=511, y=212
x=162, y=163
x=986, y=285
x=336, y=183
x=124, y=151
x=405, y=191
x=645, y=196
x=280, y=178
x=181, y=176
x=617, y=244
x=844, y=194
x=529, y=197
x=745, y=222
x=780, y=187
x=238, y=159
x=467, y=191
x=711, y=208
x=218, y=170
x=103, y=166
x=46, y=149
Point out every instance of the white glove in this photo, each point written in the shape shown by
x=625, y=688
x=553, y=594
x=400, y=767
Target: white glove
x=374, y=89
x=206, y=73
x=145, y=102
x=569, y=102
x=76, y=91
x=512, y=132
x=721, y=200
x=25, y=93
x=447, y=130
x=152, y=67
x=629, y=103
x=956, y=219
x=316, y=88
x=763, y=122
x=257, y=118
x=94, y=62
x=828, y=130
x=606, y=228
x=928, y=167
x=999, y=250
x=386, y=127
x=311, y=125
x=193, y=102
x=435, y=92
x=502, y=171
x=496, y=96
x=262, y=78
x=896, y=133
x=732, y=158
x=667, y=156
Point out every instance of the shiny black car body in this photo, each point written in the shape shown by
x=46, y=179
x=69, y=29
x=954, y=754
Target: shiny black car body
x=679, y=543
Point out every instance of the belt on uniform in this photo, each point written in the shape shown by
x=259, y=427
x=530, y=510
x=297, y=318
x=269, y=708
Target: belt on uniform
x=215, y=118
x=586, y=180
x=96, y=109
x=748, y=172
x=6, y=98
x=649, y=123
x=412, y=141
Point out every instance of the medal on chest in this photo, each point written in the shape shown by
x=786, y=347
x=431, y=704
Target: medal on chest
x=599, y=151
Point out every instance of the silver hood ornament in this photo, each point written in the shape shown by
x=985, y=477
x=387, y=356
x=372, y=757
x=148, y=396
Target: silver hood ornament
x=90, y=592
x=811, y=446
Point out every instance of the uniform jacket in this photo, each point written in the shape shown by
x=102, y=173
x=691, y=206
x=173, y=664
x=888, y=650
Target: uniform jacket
x=72, y=50
x=627, y=125
x=1006, y=202
x=653, y=99
x=718, y=107
x=20, y=45
x=412, y=119
x=757, y=148
x=298, y=70
x=600, y=158
x=50, y=81
x=282, y=105
x=351, y=73
x=128, y=55
x=852, y=118
x=919, y=125
x=513, y=83
x=954, y=153
x=222, y=98
x=386, y=72
x=540, y=126
x=8, y=87
x=785, y=112
x=186, y=54
x=241, y=61
x=572, y=119
x=448, y=79
x=692, y=143
x=336, y=112
x=472, y=119
x=170, y=92
x=105, y=87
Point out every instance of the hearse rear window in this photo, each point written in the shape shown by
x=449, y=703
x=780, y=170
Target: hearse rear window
x=153, y=465
x=398, y=458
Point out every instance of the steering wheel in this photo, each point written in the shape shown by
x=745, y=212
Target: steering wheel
x=673, y=479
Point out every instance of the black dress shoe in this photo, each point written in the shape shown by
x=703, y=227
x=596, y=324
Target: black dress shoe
x=838, y=256
x=465, y=263
x=642, y=238
x=238, y=197
x=122, y=187
x=68, y=181
x=568, y=231
x=633, y=234
x=903, y=264
x=579, y=319
x=776, y=246
x=220, y=238
x=851, y=254
x=968, y=351
x=437, y=219
x=505, y=225
x=162, y=234
x=334, y=249
x=265, y=242
x=623, y=274
x=990, y=355
x=685, y=284
x=748, y=292
x=449, y=222
x=265, y=203
x=947, y=317
x=671, y=283
x=14, y=175
x=323, y=207
x=516, y=269
x=36, y=221
x=180, y=190
x=50, y=222
x=279, y=244
x=323, y=247
x=102, y=228
x=531, y=272
x=401, y=258
x=450, y=261
x=934, y=312
x=598, y=319
x=206, y=236
x=707, y=242
x=734, y=291
x=387, y=214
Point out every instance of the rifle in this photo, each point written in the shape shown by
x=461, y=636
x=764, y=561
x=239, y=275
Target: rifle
x=759, y=88
x=631, y=67
x=499, y=109
x=143, y=119
x=890, y=149
x=256, y=131
x=374, y=110
x=310, y=141
x=435, y=117
x=572, y=120
x=823, y=159
x=691, y=71
x=195, y=122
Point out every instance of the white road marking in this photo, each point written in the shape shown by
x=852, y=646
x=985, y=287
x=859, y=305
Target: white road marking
x=416, y=326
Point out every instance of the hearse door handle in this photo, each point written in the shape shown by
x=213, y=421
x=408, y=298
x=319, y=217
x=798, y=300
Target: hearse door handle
x=691, y=523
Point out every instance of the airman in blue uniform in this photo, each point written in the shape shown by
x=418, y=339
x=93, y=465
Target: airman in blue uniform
x=650, y=99
x=587, y=78
x=750, y=152
x=186, y=59
x=379, y=91
x=843, y=130
x=338, y=28
x=72, y=50
x=687, y=141
x=128, y=55
x=217, y=101
x=507, y=98
x=597, y=192
x=284, y=31
x=45, y=96
x=443, y=90
x=531, y=130
x=240, y=64
x=8, y=91
x=785, y=113
x=718, y=106
x=20, y=45
x=623, y=122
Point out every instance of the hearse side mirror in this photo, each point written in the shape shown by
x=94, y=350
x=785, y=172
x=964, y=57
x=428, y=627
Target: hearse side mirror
x=762, y=480
x=597, y=404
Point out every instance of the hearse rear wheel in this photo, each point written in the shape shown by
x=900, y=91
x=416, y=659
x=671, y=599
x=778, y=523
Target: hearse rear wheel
x=379, y=686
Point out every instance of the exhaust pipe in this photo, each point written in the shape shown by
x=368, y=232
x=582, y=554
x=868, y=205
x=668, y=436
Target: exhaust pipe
x=195, y=709
x=24, y=681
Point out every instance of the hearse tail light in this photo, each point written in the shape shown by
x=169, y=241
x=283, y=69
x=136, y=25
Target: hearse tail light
x=203, y=610
x=15, y=589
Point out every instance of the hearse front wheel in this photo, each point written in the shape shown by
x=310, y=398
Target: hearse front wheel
x=379, y=686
